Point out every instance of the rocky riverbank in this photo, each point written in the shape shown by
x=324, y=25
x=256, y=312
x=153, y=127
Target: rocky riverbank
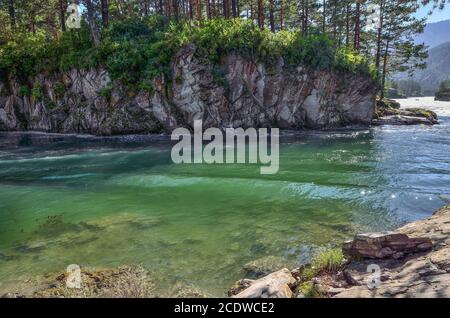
x=413, y=261
x=388, y=112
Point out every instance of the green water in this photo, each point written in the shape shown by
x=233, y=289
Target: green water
x=110, y=201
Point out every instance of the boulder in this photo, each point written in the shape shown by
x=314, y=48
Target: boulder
x=385, y=245
x=401, y=120
x=275, y=285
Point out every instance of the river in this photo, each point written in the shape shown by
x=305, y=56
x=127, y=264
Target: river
x=104, y=202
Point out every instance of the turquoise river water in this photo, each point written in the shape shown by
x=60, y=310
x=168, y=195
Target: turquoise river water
x=120, y=200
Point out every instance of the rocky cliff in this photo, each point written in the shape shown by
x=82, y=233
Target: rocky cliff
x=237, y=92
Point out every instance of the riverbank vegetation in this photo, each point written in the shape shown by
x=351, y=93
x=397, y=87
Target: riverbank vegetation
x=325, y=262
x=136, y=40
x=135, y=51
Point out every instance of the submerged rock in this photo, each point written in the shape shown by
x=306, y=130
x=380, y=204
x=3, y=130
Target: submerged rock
x=132, y=281
x=264, y=266
x=4, y=257
x=401, y=120
x=181, y=290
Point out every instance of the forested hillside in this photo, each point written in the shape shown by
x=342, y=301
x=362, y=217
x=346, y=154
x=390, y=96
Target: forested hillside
x=435, y=34
x=438, y=69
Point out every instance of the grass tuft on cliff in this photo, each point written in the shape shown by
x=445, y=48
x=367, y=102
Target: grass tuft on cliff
x=135, y=51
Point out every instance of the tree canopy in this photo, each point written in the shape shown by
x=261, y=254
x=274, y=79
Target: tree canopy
x=135, y=38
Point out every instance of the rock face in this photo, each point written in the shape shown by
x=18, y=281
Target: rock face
x=384, y=245
x=275, y=285
x=237, y=93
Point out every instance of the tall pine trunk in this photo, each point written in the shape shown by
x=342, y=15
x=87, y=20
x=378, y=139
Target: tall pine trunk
x=226, y=12
x=199, y=9
x=334, y=19
x=95, y=34
x=191, y=10
x=281, y=14
x=272, y=16
x=208, y=9
x=324, y=17
x=62, y=14
x=347, y=25
x=105, y=13
x=12, y=14
x=176, y=12
x=385, y=63
x=379, y=38
x=357, y=25
x=260, y=14
x=234, y=8
x=305, y=16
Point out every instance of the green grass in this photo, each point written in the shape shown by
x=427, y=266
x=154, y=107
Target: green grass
x=420, y=112
x=327, y=261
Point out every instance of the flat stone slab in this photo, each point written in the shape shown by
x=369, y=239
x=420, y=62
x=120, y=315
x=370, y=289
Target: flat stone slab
x=384, y=245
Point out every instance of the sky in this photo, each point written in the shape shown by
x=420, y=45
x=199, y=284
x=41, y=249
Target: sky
x=438, y=15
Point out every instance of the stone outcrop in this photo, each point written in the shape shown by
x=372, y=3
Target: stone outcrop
x=236, y=93
x=385, y=245
x=388, y=112
x=275, y=285
x=401, y=120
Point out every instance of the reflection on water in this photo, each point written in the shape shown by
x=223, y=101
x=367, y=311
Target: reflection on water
x=120, y=200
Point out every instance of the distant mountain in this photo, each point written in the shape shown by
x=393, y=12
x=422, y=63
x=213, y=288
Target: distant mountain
x=438, y=69
x=435, y=34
